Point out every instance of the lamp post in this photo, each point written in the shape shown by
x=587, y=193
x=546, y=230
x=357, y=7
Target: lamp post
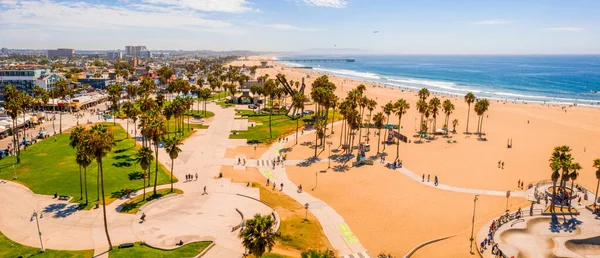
x=306, y=208
x=329, y=159
x=316, y=181
x=37, y=221
x=473, y=224
x=507, y=195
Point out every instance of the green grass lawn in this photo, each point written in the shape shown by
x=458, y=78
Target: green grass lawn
x=139, y=250
x=225, y=104
x=133, y=205
x=9, y=248
x=199, y=113
x=281, y=125
x=49, y=166
x=171, y=125
x=220, y=95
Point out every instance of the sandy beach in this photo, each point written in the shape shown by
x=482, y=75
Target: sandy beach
x=392, y=213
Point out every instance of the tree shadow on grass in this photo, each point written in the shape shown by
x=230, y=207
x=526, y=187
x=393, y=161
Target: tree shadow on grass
x=122, y=164
x=122, y=157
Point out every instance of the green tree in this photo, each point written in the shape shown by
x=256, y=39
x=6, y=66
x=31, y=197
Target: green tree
x=269, y=89
x=454, y=124
x=75, y=140
x=469, y=98
x=98, y=144
x=388, y=109
x=378, y=121
x=481, y=107
x=258, y=236
x=401, y=107
x=448, y=108
x=298, y=103
x=144, y=158
x=62, y=91
x=434, y=105
x=422, y=107
x=156, y=131
x=83, y=159
x=574, y=174
x=114, y=94
x=311, y=253
x=172, y=148
x=13, y=103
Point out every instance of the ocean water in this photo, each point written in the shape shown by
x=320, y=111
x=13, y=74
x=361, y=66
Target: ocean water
x=552, y=79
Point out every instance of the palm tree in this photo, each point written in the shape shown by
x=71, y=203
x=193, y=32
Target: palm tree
x=454, y=124
x=423, y=94
x=84, y=160
x=448, y=108
x=62, y=90
x=128, y=108
x=269, y=90
x=258, y=236
x=596, y=165
x=574, y=174
x=114, y=93
x=317, y=254
x=388, y=109
x=481, y=107
x=13, y=104
x=422, y=107
x=144, y=158
x=378, y=121
x=172, y=148
x=298, y=103
x=434, y=105
x=98, y=144
x=371, y=104
x=401, y=107
x=75, y=140
x=469, y=98
x=156, y=130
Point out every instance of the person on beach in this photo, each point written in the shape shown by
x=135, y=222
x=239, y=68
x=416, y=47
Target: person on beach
x=204, y=191
x=502, y=164
x=268, y=181
x=274, y=184
x=281, y=187
x=196, y=176
x=423, y=179
x=499, y=161
x=436, y=181
x=428, y=178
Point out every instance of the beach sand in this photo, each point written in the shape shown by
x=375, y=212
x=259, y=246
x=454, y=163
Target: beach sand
x=389, y=212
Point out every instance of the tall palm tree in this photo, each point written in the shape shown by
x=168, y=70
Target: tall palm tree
x=401, y=107
x=483, y=107
x=13, y=103
x=83, y=159
x=378, y=120
x=99, y=143
x=258, y=236
x=388, y=109
x=454, y=124
x=156, y=130
x=172, y=148
x=114, y=93
x=144, y=158
x=62, y=91
x=422, y=107
x=128, y=108
x=555, y=166
x=371, y=104
x=269, y=89
x=75, y=140
x=434, y=105
x=596, y=165
x=423, y=94
x=448, y=108
x=574, y=174
x=298, y=103
x=469, y=98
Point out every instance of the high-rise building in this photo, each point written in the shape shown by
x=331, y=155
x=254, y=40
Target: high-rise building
x=134, y=50
x=114, y=54
x=61, y=52
x=25, y=78
x=146, y=54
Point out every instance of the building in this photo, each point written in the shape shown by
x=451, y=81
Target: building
x=114, y=54
x=134, y=61
x=25, y=78
x=96, y=83
x=146, y=54
x=134, y=51
x=61, y=52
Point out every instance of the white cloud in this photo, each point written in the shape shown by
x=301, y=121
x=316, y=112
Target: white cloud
x=228, y=6
x=325, y=3
x=289, y=27
x=60, y=15
x=492, y=22
x=565, y=29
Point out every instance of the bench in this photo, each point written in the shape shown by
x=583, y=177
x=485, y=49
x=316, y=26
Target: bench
x=64, y=198
x=363, y=162
x=126, y=245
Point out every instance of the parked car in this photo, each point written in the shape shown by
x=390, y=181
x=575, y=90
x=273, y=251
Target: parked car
x=252, y=106
x=308, y=112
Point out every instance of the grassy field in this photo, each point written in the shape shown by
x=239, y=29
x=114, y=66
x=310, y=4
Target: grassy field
x=49, y=167
x=225, y=104
x=281, y=125
x=133, y=205
x=139, y=250
x=199, y=113
x=220, y=95
x=186, y=133
x=295, y=232
x=9, y=248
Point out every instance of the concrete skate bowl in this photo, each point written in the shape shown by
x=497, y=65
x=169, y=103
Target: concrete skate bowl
x=535, y=240
x=585, y=247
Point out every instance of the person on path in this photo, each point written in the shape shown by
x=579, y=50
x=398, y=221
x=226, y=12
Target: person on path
x=436, y=181
x=204, y=191
x=423, y=179
x=428, y=175
x=274, y=184
x=499, y=161
x=502, y=164
x=281, y=187
x=268, y=181
x=196, y=176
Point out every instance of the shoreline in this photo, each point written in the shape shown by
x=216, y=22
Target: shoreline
x=544, y=100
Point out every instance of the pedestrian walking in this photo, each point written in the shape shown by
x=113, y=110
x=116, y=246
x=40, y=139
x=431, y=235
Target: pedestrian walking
x=499, y=161
x=196, y=176
x=502, y=164
x=436, y=181
x=204, y=191
x=281, y=187
x=423, y=179
x=268, y=181
x=428, y=175
x=274, y=184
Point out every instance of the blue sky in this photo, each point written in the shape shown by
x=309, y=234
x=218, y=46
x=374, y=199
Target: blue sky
x=405, y=27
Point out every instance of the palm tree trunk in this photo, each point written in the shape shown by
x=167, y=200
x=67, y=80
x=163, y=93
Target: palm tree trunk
x=316, y=129
x=378, y=141
x=60, y=123
x=596, y=196
x=85, y=184
x=332, y=119
x=80, y=185
x=297, y=125
x=342, y=131
x=127, y=129
x=172, y=164
x=398, y=144
x=104, y=205
x=468, y=116
x=156, y=167
x=481, y=126
x=270, y=114
x=144, y=185
x=98, y=184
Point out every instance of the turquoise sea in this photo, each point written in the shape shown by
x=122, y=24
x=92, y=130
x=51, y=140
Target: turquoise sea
x=551, y=79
